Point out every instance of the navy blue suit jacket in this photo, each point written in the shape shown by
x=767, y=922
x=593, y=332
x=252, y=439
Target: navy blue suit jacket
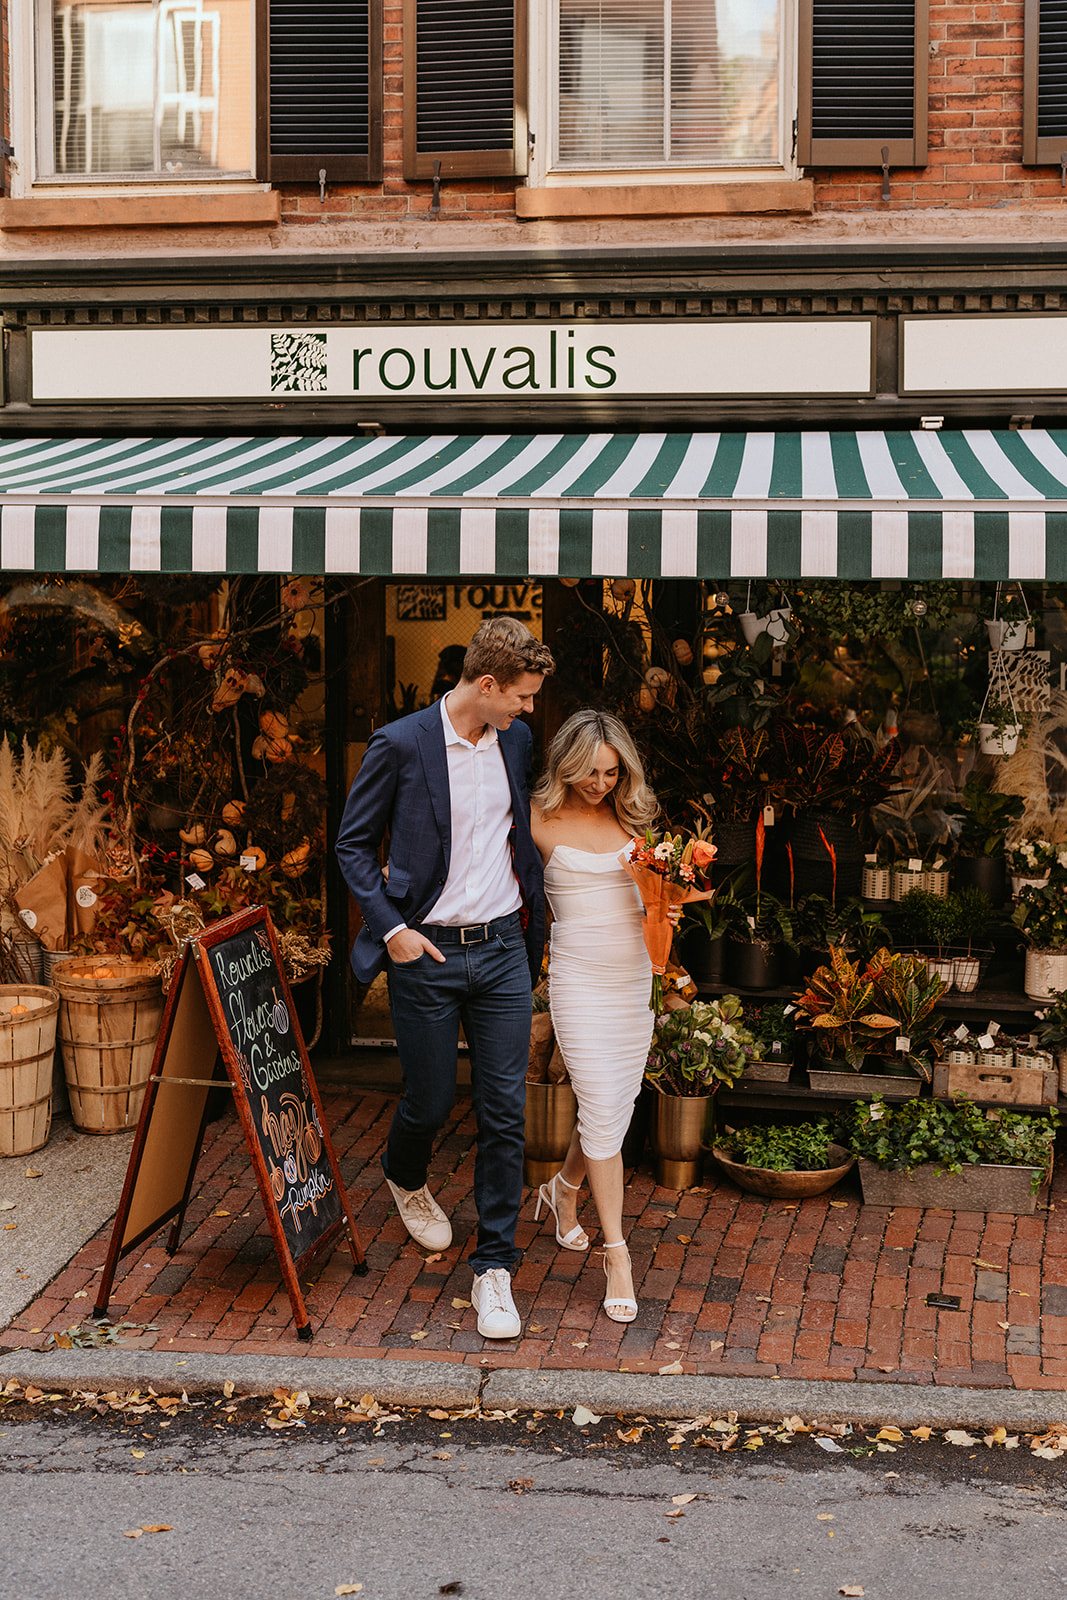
x=402, y=789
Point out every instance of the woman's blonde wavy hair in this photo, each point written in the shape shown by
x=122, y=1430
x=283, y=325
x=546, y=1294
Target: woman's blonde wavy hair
x=572, y=757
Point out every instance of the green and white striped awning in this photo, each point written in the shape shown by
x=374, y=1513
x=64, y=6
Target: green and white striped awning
x=972, y=504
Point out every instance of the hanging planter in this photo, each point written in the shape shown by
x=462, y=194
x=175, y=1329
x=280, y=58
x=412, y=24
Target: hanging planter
x=775, y=623
x=1000, y=735
x=1009, y=633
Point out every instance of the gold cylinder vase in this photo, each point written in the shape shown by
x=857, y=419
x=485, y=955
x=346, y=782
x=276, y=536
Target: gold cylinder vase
x=681, y=1128
x=551, y=1115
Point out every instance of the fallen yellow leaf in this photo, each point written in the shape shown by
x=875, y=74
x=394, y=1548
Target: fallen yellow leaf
x=138, y=1455
x=458, y=1304
x=682, y=1499
x=133, y=1533
x=893, y=1434
x=224, y=1213
x=921, y=1433
x=824, y=1516
x=674, y=1370
x=988, y=1265
x=852, y=1589
x=155, y=1527
x=348, y=1588
x=840, y=1205
x=32, y=1172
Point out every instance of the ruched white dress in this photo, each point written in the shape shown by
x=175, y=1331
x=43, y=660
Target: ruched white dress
x=599, y=983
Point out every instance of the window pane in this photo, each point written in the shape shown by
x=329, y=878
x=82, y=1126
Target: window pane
x=658, y=82
x=150, y=86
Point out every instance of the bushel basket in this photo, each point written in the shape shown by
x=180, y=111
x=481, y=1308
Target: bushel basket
x=27, y=1052
x=107, y=1028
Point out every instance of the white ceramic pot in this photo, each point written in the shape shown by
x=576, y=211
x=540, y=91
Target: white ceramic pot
x=999, y=741
x=775, y=623
x=1018, y=883
x=1006, y=635
x=1046, y=970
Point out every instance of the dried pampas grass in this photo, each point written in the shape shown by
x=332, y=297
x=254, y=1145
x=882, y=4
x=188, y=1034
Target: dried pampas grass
x=1038, y=772
x=39, y=816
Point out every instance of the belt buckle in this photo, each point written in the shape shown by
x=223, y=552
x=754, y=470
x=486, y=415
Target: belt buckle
x=478, y=934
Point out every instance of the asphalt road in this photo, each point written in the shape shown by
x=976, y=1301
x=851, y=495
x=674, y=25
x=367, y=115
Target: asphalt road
x=505, y=1507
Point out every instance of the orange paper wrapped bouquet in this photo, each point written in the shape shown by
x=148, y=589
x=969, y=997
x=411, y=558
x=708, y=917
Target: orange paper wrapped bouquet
x=673, y=872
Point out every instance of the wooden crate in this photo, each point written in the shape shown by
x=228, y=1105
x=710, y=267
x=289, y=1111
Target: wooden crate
x=975, y=1188
x=1009, y=1086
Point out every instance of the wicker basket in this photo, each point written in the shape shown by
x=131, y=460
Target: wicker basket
x=107, y=1028
x=27, y=1051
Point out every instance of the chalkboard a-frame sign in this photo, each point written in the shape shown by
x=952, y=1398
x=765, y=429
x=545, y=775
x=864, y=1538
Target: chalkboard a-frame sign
x=229, y=1001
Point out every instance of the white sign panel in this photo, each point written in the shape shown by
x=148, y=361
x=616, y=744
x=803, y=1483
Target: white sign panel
x=964, y=355
x=495, y=360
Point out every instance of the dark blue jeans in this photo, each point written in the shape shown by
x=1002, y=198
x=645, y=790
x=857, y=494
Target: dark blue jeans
x=487, y=988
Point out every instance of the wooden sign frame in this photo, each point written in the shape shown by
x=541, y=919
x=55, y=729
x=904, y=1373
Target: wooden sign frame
x=196, y=1039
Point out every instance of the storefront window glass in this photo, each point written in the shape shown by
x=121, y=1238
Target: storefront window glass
x=145, y=87
x=668, y=82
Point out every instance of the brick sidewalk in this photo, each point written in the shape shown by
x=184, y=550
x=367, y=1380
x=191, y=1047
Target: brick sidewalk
x=727, y=1284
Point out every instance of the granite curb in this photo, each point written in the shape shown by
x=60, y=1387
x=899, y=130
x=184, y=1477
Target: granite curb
x=438, y=1383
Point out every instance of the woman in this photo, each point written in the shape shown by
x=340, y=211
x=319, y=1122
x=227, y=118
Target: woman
x=590, y=802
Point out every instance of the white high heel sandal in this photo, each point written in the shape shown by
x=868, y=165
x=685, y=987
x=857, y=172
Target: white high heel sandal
x=618, y=1307
x=577, y=1238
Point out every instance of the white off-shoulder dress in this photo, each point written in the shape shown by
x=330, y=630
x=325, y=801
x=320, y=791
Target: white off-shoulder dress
x=599, y=983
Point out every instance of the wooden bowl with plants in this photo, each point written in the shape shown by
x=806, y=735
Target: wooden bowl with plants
x=783, y=1163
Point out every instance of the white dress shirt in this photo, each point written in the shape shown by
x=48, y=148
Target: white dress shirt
x=481, y=884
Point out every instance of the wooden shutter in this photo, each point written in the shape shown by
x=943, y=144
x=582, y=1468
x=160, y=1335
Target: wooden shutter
x=862, y=83
x=1045, y=83
x=465, y=88
x=321, y=64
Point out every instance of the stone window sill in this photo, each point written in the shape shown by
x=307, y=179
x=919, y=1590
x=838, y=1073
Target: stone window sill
x=251, y=208
x=665, y=199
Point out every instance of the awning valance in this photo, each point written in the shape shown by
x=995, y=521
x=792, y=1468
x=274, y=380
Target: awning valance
x=975, y=504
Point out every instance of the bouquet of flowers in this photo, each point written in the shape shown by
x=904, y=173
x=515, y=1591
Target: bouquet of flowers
x=674, y=872
x=697, y=1047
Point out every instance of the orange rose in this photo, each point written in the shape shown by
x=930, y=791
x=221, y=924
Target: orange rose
x=703, y=854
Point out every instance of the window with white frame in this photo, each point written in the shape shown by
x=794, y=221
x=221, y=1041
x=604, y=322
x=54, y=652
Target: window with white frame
x=144, y=88
x=647, y=84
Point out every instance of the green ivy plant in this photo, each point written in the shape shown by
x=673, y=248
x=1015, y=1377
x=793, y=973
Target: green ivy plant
x=841, y=611
x=770, y=1025
x=950, y=1135
x=805, y=1148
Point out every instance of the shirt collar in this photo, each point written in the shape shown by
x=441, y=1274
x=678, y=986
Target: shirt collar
x=452, y=737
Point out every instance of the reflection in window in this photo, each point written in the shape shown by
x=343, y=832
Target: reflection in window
x=657, y=82
x=149, y=86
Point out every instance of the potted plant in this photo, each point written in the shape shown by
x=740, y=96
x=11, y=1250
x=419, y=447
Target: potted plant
x=772, y=616
x=818, y=924
x=832, y=778
x=1041, y=917
x=952, y=1155
x=783, y=1163
x=1009, y=625
x=975, y=917
x=928, y=924
x=551, y=1106
x=1053, y=1032
x=694, y=1049
x=1000, y=724
x=980, y=817
x=873, y=1028
x=758, y=927
x=773, y=1028
x=1030, y=860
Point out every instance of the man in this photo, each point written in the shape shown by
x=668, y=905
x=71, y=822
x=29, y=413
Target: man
x=458, y=920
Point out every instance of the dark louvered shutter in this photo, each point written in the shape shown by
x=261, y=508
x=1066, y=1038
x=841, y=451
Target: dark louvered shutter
x=464, y=88
x=863, y=83
x=1045, y=83
x=323, y=66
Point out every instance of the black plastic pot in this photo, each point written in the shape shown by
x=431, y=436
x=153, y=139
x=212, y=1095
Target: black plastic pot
x=814, y=870
x=702, y=957
x=982, y=872
x=753, y=966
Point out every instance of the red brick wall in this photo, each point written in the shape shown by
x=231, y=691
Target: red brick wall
x=976, y=120
x=975, y=111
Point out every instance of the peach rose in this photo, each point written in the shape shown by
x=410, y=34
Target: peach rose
x=703, y=854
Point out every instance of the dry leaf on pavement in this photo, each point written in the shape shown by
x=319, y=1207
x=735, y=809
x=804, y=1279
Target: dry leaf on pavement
x=682, y=1499
x=348, y=1588
x=673, y=1370
x=583, y=1417
x=959, y=1436
x=830, y=1445
x=852, y=1589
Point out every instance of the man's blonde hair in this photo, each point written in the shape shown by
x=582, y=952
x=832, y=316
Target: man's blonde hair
x=504, y=648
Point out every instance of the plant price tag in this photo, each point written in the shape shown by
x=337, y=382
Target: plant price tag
x=877, y=1113
x=993, y=1028
x=986, y=1041
x=914, y=864
x=961, y=1032
x=870, y=859
x=776, y=1047
x=903, y=1044
x=248, y=863
x=768, y=816
x=786, y=1010
x=195, y=881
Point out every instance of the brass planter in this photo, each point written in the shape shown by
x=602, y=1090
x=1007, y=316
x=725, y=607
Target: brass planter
x=681, y=1128
x=551, y=1115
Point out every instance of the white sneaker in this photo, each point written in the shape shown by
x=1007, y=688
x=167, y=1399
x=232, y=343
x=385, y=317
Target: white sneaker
x=491, y=1298
x=422, y=1217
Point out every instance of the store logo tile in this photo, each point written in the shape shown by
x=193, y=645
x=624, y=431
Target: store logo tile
x=298, y=363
